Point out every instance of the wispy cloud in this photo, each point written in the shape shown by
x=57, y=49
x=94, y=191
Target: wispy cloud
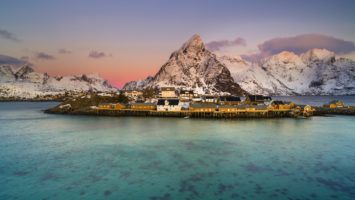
x=43, y=56
x=302, y=43
x=219, y=44
x=97, y=54
x=8, y=35
x=4, y=59
x=64, y=51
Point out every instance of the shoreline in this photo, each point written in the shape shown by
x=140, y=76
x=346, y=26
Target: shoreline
x=319, y=111
x=179, y=114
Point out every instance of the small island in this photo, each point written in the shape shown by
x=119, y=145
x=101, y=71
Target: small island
x=169, y=102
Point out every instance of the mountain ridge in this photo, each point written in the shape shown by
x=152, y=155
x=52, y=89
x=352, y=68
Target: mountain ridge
x=25, y=83
x=315, y=72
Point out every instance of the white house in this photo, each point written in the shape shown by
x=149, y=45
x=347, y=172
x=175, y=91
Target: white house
x=134, y=94
x=168, y=105
x=209, y=99
x=186, y=94
x=167, y=92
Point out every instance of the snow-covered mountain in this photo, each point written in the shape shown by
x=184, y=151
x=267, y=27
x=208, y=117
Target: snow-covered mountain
x=316, y=72
x=138, y=85
x=24, y=83
x=193, y=67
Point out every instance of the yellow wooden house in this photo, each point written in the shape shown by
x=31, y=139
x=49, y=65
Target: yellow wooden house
x=280, y=105
x=202, y=107
x=111, y=106
x=104, y=106
x=231, y=108
x=335, y=104
x=143, y=106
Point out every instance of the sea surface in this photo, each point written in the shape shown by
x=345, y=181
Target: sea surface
x=46, y=156
x=317, y=100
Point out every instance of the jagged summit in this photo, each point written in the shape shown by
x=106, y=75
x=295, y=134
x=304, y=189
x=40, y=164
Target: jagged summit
x=22, y=71
x=286, y=55
x=318, y=55
x=195, y=43
x=283, y=58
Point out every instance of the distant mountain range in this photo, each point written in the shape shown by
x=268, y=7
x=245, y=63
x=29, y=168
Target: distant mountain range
x=24, y=83
x=316, y=72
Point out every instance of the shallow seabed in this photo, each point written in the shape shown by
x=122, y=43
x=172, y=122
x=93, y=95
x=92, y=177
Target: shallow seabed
x=75, y=157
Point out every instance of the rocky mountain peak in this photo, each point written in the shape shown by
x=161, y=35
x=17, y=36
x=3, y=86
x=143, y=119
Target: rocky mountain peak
x=6, y=73
x=193, y=67
x=194, y=44
x=22, y=71
x=318, y=55
x=285, y=57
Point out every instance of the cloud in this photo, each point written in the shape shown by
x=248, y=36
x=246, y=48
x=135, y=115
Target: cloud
x=8, y=35
x=97, y=54
x=64, y=51
x=11, y=60
x=302, y=43
x=44, y=56
x=218, y=45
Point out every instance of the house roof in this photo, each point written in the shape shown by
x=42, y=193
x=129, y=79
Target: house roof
x=229, y=98
x=171, y=102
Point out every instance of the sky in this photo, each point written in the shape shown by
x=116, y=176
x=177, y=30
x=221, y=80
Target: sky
x=129, y=40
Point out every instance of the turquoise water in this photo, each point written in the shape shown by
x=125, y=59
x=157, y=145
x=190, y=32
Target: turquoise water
x=76, y=157
x=317, y=100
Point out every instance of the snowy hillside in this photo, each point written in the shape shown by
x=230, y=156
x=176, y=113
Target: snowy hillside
x=24, y=83
x=140, y=84
x=316, y=72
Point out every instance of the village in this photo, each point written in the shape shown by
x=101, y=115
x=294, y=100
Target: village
x=169, y=101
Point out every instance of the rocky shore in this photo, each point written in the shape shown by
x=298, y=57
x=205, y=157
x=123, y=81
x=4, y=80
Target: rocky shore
x=321, y=111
